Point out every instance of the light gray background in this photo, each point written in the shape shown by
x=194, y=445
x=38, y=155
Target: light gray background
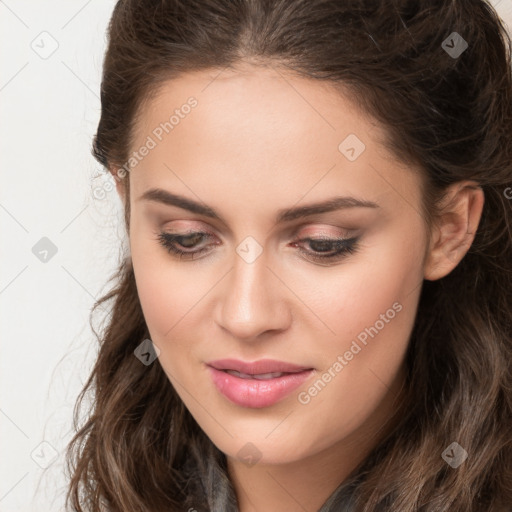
x=53, y=188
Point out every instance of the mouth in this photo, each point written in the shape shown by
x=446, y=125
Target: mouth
x=262, y=367
x=258, y=384
x=258, y=376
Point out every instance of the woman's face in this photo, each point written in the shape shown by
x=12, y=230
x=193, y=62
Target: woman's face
x=255, y=150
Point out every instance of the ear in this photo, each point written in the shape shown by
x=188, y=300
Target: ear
x=455, y=229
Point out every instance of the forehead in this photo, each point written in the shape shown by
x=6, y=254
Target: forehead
x=262, y=132
x=262, y=101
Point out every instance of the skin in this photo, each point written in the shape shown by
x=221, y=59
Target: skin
x=261, y=140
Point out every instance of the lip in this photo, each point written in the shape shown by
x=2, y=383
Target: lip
x=256, y=393
x=260, y=366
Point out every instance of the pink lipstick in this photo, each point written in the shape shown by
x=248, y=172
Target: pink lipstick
x=257, y=384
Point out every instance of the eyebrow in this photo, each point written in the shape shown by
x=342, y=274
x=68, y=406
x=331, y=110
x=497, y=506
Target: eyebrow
x=287, y=214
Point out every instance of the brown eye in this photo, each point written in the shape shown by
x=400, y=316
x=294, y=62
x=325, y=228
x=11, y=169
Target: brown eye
x=321, y=249
x=172, y=241
x=327, y=249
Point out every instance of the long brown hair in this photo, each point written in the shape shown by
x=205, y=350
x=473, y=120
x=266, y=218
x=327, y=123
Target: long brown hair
x=139, y=449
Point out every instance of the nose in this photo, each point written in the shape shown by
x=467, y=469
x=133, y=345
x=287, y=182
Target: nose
x=253, y=300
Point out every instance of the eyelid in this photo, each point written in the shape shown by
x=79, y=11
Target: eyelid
x=333, y=232
x=306, y=230
x=299, y=232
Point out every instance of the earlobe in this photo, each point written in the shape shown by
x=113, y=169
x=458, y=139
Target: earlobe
x=455, y=229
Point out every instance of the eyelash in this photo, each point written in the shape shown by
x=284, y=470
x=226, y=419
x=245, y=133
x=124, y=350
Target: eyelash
x=342, y=246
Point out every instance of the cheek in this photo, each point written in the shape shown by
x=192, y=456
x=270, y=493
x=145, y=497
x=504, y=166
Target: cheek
x=360, y=367
x=351, y=297
x=371, y=308
x=166, y=292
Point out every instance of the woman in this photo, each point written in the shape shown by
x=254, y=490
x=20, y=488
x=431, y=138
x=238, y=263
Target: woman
x=315, y=309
